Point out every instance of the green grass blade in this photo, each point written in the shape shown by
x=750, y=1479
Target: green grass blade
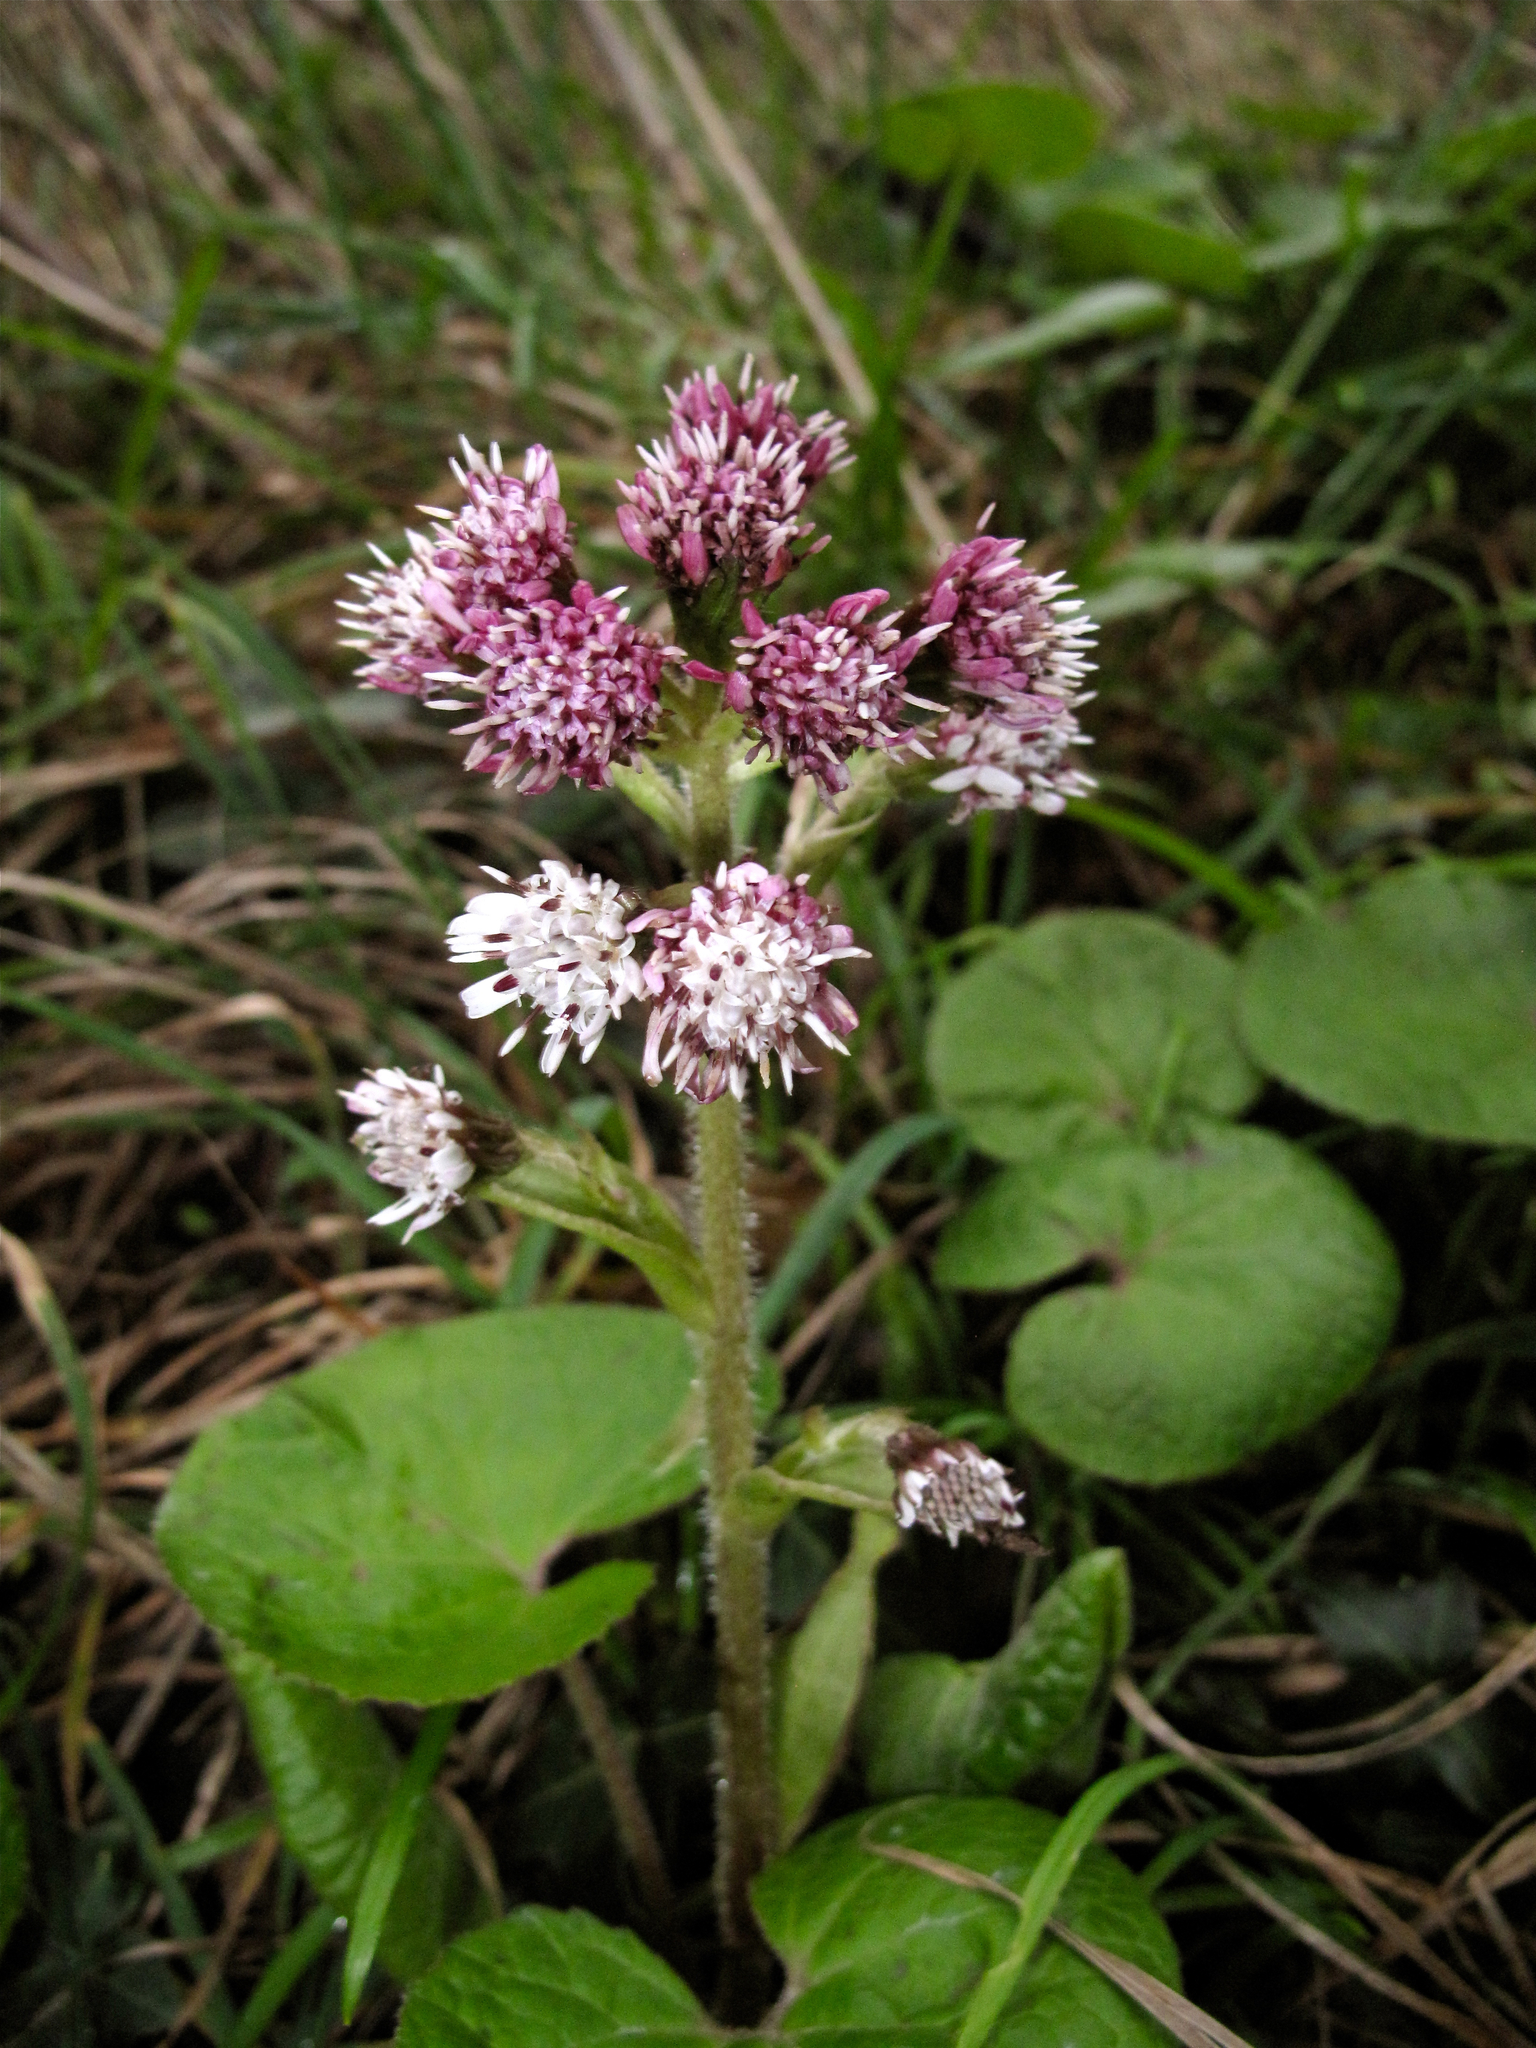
x=303, y=1945
x=390, y=1851
x=1257, y=905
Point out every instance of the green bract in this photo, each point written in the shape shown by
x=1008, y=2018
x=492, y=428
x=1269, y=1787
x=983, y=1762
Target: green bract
x=821, y=1672
x=930, y=1724
x=385, y=1523
x=1243, y=1289
x=1413, y=1004
x=1087, y=1025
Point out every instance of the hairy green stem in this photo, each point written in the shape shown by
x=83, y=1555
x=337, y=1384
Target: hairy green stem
x=745, y=1805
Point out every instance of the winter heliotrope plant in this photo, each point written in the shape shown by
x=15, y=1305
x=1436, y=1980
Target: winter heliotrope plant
x=971, y=689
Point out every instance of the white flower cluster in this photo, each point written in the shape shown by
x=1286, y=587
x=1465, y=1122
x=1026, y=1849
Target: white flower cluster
x=1000, y=765
x=734, y=976
x=564, y=947
x=413, y=1140
x=950, y=1488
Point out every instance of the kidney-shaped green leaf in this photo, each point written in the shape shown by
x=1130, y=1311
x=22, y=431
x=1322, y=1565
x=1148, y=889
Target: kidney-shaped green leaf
x=1414, y=1004
x=1242, y=1290
x=384, y=1523
x=542, y=1979
x=930, y=1724
x=332, y=1770
x=882, y=1955
x=1087, y=1024
x=1006, y=131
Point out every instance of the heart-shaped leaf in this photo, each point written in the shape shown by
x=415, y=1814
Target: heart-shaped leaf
x=1006, y=131
x=821, y=1673
x=385, y=1523
x=1087, y=1025
x=930, y=1724
x=1414, y=1004
x=882, y=1953
x=543, y=1979
x=1242, y=1291
x=332, y=1770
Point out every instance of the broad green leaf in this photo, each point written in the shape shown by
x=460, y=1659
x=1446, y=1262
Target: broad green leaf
x=1412, y=1004
x=1104, y=240
x=881, y=1955
x=1005, y=131
x=573, y=1182
x=821, y=1673
x=333, y=1771
x=1242, y=1290
x=385, y=1523
x=14, y=1863
x=1087, y=1025
x=1123, y=306
x=930, y=1724
x=542, y=1979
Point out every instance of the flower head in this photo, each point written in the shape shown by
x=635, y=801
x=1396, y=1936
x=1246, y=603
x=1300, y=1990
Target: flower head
x=570, y=689
x=508, y=544
x=1011, y=628
x=734, y=976
x=1013, y=755
x=563, y=947
x=406, y=622
x=947, y=1486
x=726, y=484
x=817, y=685
x=413, y=1137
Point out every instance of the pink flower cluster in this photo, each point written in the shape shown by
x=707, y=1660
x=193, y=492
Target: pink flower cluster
x=725, y=486
x=1017, y=641
x=567, y=686
x=570, y=689
x=733, y=977
x=817, y=685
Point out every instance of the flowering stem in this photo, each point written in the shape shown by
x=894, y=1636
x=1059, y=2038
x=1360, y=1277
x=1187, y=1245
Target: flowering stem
x=745, y=1805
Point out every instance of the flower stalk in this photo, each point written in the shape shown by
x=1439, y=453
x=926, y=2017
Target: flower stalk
x=745, y=1805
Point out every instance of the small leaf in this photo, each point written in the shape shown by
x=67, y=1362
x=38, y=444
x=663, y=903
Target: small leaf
x=821, y=1674
x=384, y=1523
x=1127, y=305
x=1413, y=1004
x=1085, y=1025
x=571, y=1181
x=1246, y=1291
x=14, y=1862
x=544, y=1979
x=333, y=1772
x=1104, y=240
x=930, y=1724
x=1005, y=131
x=880, y=1952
